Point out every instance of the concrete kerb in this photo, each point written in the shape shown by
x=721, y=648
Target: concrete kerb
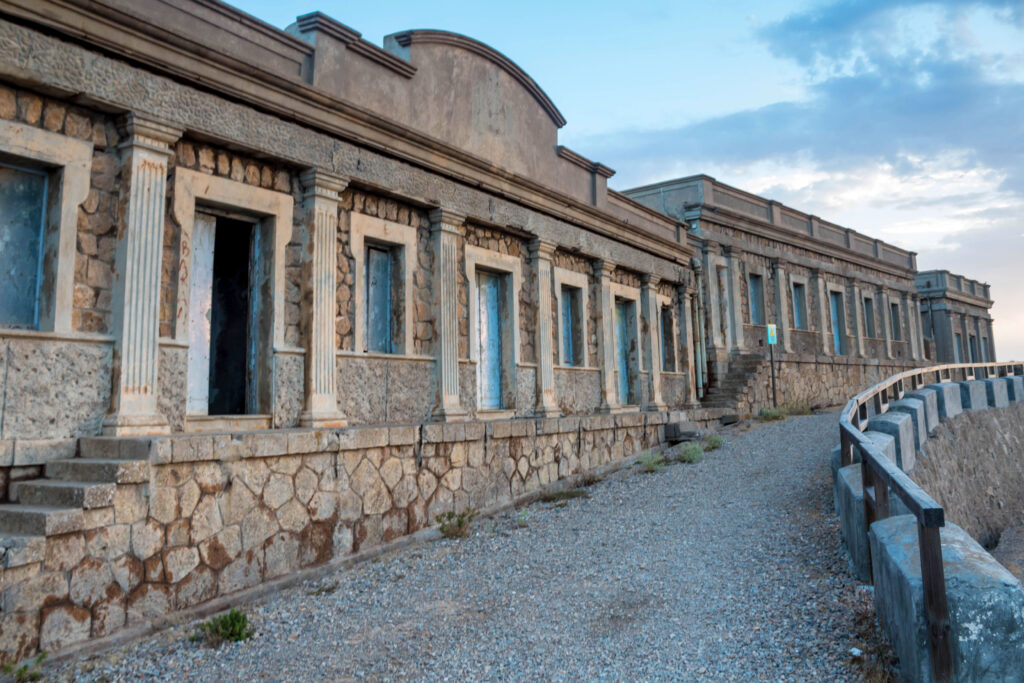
x=900, y=426
x=931, y=406
x=973, y=395
x=947, y=395
x=1014, y=388
x=250, y=595
x=996, y=394
x=986, y=603
x=915, y=408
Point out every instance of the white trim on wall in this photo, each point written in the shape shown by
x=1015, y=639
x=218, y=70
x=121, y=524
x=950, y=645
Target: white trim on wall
x=564, y=276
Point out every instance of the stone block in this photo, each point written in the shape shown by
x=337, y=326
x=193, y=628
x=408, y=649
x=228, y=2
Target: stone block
x=403, y=436
x=915, y=409
x=1014, y=389
x=986, y=604
x=995, y=393
x=302, y=441
x=947, y=395
x=850, y=488
x=900, y=426
x=931, y=406
x=836, y=462
x=29, y=452
x=884, y=442
x=973, y=395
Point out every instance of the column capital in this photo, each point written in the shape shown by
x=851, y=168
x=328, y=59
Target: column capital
x=603, y=268
x=710, y=246
x=320, y=183
x=779, y=262
x=443, y=219
x=732, y=251
x=142, y=130
x=649, y=279
x=542, y=249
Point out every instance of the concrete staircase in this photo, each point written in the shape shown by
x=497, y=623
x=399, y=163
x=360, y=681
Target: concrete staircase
x=728, y=392
x=75, y=495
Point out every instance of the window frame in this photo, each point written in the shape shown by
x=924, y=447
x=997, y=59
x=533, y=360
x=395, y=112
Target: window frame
x=512, y=268
x=581, y=281
x=870, y=320
x=799, y=303
x=752, y=277
x=895, y=320
x=40, y=236
x=401, y=240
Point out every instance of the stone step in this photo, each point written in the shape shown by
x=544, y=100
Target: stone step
x=113, y=448
x=99, y=470
x=39, y=520
x=61, y=493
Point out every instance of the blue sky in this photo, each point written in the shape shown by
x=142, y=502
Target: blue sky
x=901, y=119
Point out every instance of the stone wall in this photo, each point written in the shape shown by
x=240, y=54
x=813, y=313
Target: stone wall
x=197, y=517
x=973, y=465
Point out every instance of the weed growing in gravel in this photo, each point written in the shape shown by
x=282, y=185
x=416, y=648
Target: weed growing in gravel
x=456, y=524
x=589, y=479
x=712, y=442
x=771, y=414
x=564, y=494
x=797, y=408
x=690, y=453
x=651, y=462
x=323, y=590
x=28, y=671
x=232, y=626
x=522, y=518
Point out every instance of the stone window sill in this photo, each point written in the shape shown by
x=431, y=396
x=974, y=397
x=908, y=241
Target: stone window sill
x=490, y=414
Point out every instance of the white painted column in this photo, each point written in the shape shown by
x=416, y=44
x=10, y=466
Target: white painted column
x=135, y=296
x=540, y=257
x=733, y=256
x=444, y=227
x=782, y=305
x=606, y=336
x=651, y=340
x=823, y=327
x=883, y=297
x=319, y=276
x=910, y=315
x=858, y=317
x=685, y=298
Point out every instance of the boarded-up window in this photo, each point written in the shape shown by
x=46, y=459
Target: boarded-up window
x=897, y=329
x=958, y=345
x=799, y=306
x=490, y=296
x=572, y=326
x=379, y=304
x=838, y=323
x=869, y=317
x=668, y=351
x=756, y=292
x=22, y=202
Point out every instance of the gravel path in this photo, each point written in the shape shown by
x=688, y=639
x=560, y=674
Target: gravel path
x=731, y=569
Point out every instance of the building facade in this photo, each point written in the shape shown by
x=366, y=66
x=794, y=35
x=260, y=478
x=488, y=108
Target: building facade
x=275, y=296
x=955, y=317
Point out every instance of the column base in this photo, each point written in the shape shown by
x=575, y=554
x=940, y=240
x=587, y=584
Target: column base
x=323, y=419
x=450, y=414
x=617, y=410
x=656, y=405
x=548, y=411
x=153, y=424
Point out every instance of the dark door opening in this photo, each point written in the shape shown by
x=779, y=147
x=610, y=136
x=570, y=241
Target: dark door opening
x=229, y=318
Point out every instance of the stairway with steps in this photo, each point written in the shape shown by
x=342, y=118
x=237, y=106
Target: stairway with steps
x=75, y=494
x=727, y=392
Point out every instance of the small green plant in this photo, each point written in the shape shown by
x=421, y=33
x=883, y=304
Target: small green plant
x=651, y=462
x=589, y=479
x=771, y=414
x=456, y=524
x=323, y=590
x=712, y=442
x=232, y=626
x=690, y=453
x=522, y=518
x=28, y=671
x=564, y=494
x=797, y=408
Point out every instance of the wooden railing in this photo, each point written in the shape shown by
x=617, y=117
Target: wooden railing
x=880, y=476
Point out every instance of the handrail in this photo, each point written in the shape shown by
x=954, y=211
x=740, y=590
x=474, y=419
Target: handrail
x=879, y=475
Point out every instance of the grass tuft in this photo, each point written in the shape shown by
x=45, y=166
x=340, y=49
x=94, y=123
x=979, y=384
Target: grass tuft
x=651, y=462
x=564, y=494
x=232, y=626
x=712, y=442
x=797, y=408
x=28, y=671
x=690, y=453
x=771, y=414
x=456, y=524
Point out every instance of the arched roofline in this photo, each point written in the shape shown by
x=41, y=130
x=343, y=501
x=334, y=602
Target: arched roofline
x=404, y=39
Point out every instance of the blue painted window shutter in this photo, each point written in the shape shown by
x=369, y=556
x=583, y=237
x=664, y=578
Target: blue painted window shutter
x=22, y=202
x=378, y=300
x=622, y=349
x=490, y=322
x=799, y=306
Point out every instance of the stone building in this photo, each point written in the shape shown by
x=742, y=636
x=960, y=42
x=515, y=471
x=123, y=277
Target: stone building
x=955, y=317
x=272, y=297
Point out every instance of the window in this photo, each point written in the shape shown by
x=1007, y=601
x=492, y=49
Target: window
x=958, y=345
x=838, y=324
x=668, y=351
x=625, y=347
x=383, y=315
x=973, y=348
x=984, y=349
x=571, y=321
x=22, y=212
x=756, y=292
x=869, y=317
x=897, y=330
x=799, y=306
x=490, y=295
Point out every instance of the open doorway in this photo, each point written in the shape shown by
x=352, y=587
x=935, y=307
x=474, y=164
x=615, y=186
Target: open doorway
x=224, y=317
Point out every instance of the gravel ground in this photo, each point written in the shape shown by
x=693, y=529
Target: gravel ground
x=730, y=569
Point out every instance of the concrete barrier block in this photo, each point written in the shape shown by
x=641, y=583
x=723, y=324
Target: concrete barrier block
x=850, y=489
x=948, y=396
x=836, y=462
x=1014, y=389
x=986, y=604
x=900, y=426
x=931, y=406
x=915, y=409
x=995, y=393
x=972, y=395
x=886, y=443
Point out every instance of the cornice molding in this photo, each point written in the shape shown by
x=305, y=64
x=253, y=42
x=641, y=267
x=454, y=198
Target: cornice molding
x=353, y=39
x=584, y=163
